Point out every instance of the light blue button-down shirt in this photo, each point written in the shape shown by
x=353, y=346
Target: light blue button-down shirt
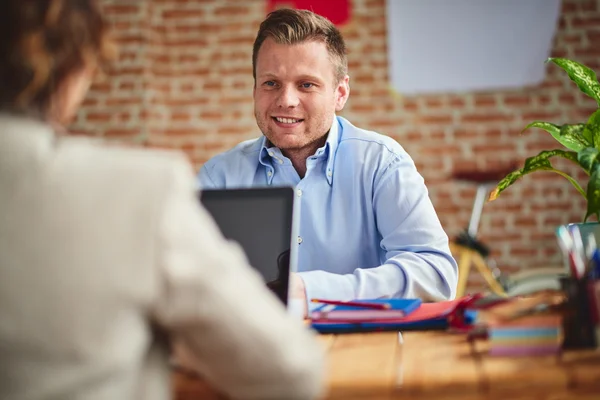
x=367, y=226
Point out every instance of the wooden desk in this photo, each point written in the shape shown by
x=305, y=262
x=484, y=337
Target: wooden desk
x=430, y=365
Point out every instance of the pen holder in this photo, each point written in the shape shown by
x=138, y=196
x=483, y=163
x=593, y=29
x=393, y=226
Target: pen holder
x=578, y=327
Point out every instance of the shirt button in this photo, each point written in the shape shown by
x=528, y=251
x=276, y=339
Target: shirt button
x=299, y=239
x=269, y=173
x=280, y=161
x=299, y=192
x=270, y=153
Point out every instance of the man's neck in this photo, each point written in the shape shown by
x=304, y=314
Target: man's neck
x=298, y=157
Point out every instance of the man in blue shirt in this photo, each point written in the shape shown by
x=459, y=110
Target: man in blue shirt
x=367, y=226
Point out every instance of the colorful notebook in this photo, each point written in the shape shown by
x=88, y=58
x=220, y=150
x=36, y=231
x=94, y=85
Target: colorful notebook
x=399, y=308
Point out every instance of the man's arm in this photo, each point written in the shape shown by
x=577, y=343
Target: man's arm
x=237, y=333
x=418, y=260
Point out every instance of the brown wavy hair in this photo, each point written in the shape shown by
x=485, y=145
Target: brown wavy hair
x=42, y=42
x=291, y=26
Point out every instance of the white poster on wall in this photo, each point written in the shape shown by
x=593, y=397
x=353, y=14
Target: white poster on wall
x=468, y=45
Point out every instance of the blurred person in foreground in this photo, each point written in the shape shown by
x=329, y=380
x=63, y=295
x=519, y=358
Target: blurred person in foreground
x=105, y=252
x=367, y=226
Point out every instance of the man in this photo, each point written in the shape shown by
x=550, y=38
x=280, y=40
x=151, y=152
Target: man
x=367, y=228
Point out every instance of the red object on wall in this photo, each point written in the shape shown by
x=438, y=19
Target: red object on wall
x=337, y=11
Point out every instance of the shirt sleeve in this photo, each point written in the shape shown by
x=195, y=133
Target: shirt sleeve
x=237, y=333
x=418, y=259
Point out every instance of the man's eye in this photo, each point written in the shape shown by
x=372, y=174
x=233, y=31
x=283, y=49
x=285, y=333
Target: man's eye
x=269, y=83
x=307, y=85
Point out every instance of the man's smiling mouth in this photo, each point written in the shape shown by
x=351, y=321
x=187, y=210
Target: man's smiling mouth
x=285, y=120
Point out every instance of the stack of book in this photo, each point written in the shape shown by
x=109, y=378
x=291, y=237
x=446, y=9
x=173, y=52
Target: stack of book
x=532, y=335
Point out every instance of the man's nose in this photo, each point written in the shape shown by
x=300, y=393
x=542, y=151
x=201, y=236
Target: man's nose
x=288, y=97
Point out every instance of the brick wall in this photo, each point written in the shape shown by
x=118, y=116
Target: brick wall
x=184, y=81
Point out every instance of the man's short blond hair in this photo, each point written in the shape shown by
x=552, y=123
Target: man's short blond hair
x=290, y=26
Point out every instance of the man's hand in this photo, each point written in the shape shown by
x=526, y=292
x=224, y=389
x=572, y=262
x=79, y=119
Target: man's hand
x=298, y=292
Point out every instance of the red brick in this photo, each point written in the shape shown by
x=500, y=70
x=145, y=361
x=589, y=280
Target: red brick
x=517, y=100
x=191, y=132
x=123, y=117
x=185, y=101
x=213, y=85
x=180, y=117
x=457, y=102
x=96, y=117
x=89, y=102
x=568, y=7
x=493, y=134
x=196, y=43
x=362, y=108
x=363, y=79
x=121, y=9
x=124, y=71
x=542, y=116
x=465, y=134
x=124, y=101
x=101, y=87
x=524, y=252
x=127, y=86
x=588, y=51
x=229, y=101
x=485, y=101
x=485, y=118
x=210, y=115
x=588, y=21
x=589, y=6
x=410, y=105
x=575, y=38
x=446, y=150
x=435, y=119
x=232, y=130
x=182, y=14
x=566, y=98
x=246, y=41
x=230, y=11
x=433, y=102
x=493, y=148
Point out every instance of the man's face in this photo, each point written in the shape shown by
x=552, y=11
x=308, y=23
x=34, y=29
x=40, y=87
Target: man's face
x=296, y=94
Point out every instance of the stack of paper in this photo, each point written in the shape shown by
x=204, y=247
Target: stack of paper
x=533, y=335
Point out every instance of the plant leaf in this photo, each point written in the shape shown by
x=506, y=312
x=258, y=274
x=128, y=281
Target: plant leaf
x=584, y=77
x=569, y=136
x=574, y=133
x=537, y=163
x=588, y=158
x=592, y=129
x=593, y=194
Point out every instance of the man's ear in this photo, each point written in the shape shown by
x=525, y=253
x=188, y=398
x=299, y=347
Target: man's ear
x=342, y=93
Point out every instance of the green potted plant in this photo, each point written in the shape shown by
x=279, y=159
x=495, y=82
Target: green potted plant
x=581, y=142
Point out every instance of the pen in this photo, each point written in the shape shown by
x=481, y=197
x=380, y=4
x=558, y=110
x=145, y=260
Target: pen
x=376, y=306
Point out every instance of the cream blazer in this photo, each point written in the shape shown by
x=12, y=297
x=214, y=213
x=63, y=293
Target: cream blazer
x=104, y=252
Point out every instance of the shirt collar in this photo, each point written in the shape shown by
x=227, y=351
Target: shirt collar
x=328, y=151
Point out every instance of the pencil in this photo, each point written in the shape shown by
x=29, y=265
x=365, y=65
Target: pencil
x=376, y=306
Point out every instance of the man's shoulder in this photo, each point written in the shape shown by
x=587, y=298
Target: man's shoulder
x=367, y=140
x=242, y=153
